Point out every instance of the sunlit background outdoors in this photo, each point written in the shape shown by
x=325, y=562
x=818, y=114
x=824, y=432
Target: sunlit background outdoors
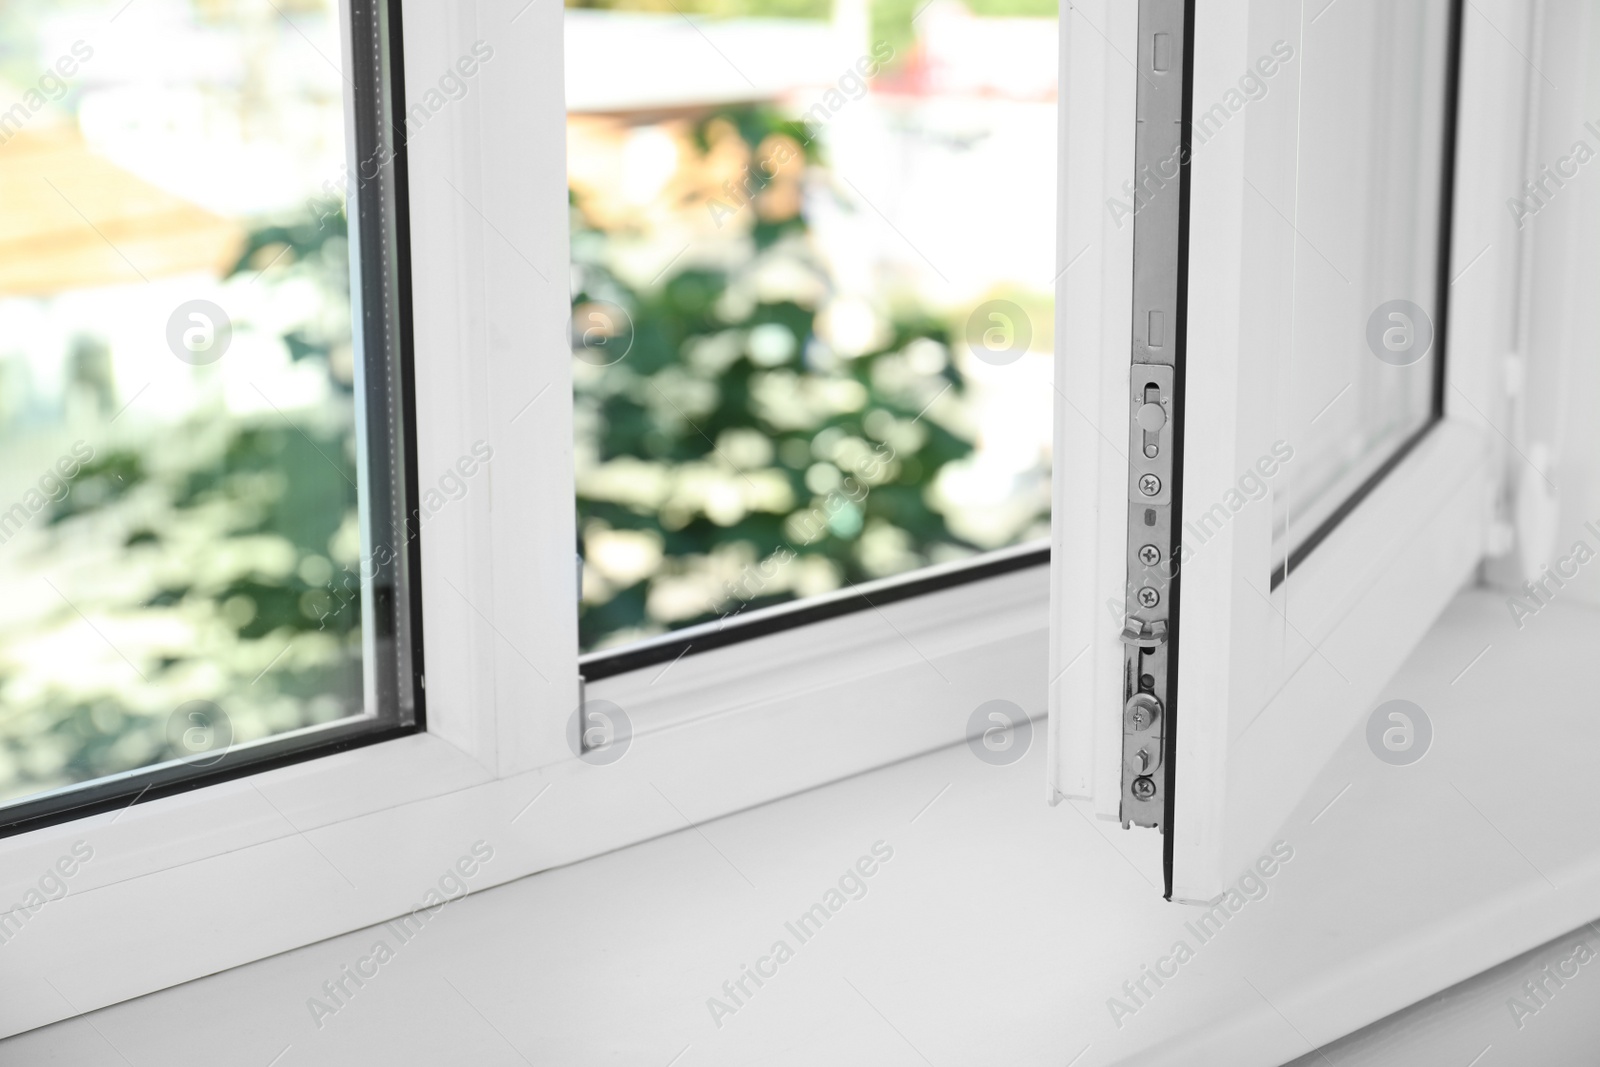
x=786, y=219
x=789, y=218
x=172, y=531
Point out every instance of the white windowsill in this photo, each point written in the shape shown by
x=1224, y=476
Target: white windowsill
x=996, y=933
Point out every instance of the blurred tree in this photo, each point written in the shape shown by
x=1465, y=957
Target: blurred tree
x=215, y=547
x=733, y=457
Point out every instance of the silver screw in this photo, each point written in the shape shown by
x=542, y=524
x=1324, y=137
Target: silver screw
x=1142, y=712
x=1149, y=555
x=1149, y=484
x=1148, y=597
x=1143, y=788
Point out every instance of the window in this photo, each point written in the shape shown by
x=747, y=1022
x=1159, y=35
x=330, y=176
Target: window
x=205, y=385
x=797, y=370
x=1321, y=239
x=487, y=214
x=1358, y=400
x=456, y=410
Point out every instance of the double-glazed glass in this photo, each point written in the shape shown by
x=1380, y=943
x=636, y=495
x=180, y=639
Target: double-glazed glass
x=1370, y=209
x=202, y=393
x=812, y=328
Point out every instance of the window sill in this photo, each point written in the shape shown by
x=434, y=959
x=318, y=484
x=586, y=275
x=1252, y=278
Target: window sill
x=305, y=853
x=996, y=933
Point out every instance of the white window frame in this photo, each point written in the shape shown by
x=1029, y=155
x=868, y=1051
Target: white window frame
x=1260, y=711
x=194, y=883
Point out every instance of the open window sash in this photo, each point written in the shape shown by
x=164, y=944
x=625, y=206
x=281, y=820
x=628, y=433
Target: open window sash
x=1308, y=567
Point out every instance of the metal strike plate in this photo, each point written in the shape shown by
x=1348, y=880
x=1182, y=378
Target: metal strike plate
x=1150, y=433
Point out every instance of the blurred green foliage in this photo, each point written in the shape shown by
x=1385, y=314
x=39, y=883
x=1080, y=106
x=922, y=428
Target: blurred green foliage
x=228, y=537
x=718, y=369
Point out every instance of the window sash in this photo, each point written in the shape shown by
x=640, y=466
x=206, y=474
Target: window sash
x=1250, y=653
x=376, y=191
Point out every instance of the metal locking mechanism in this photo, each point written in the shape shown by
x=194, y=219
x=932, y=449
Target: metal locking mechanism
x=1158, y=190
x=1149, y=594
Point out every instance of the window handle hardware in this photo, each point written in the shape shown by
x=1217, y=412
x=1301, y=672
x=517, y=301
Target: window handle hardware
x=1145, y=634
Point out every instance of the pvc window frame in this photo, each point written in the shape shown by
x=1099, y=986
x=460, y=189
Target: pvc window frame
x=298, y=853
x=393, y=699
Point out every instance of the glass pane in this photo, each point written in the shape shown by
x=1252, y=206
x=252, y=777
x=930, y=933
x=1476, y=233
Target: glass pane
x=1361, y=364
x=812, y=340
x=186, y=502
